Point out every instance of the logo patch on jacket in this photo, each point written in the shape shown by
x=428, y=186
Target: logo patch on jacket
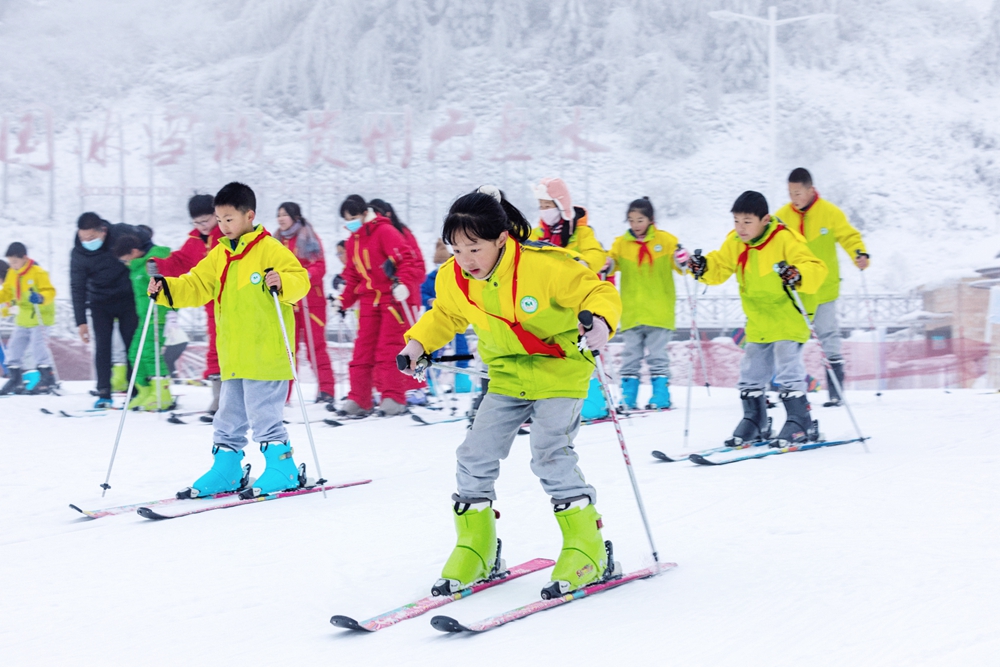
x=823, y=230
x=529, y=304
x=254, y=278
x=658, y=248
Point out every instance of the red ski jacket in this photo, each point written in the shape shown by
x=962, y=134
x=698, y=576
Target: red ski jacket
x=367, y=250
x=194, y=249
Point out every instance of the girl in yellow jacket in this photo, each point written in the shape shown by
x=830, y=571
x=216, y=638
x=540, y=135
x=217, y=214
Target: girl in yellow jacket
x=28, y=285
x=523, y=300
x=646, y=258
x=775, y=329
x=565, y=225
x=237, y=275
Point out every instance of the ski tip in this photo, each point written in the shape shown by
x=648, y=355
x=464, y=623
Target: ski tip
x=660, y=456
x=174, y=419
x=348, y=623
x=332, y=422
x=46, y=412
x=147, y=513
x=523, y=431
x=447, y=624
x=84, y=513
x=701, y=460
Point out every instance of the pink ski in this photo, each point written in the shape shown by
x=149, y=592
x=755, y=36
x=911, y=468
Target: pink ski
x=188, y=508
x=128, y=509
x=424, y=605
x=448, y=624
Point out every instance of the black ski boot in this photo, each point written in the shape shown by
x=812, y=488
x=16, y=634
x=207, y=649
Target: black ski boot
x=47, y=381
x=755, y=425
x=799, y=424
x=838, y=371
x=15, y=382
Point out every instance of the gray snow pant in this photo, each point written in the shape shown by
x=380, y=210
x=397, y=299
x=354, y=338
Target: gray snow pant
x=555, y=422
x=37, y=337
x=781, y=360
x=828, y=329
x=245, y=402
x=653, y=339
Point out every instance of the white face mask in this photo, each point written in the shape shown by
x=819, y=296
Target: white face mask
x=550, y=216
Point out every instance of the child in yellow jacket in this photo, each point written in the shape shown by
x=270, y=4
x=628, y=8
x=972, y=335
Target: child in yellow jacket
x=28, y=285
x=775, y=330
x=523, y=300
x=647, y=259
x=237, y=275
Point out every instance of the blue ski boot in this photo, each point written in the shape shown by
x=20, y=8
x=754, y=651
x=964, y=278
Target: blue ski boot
x=226, y=474
x=594, y=406
x=281, y=474
x=103, y=401
x=660, y=400
x=630, y=392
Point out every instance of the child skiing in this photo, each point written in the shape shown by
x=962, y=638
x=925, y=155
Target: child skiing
x=824, y=225
x=28, y=285
x=204, y=236
x=237, y=275
x=523, y=300
x=374, y=246
x=463, y=385
x=298, y=235
x=775, y=330
x=565, y=225
x=152, y=390
x=647, y=259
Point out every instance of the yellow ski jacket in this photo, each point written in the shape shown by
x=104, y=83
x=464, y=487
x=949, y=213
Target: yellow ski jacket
x=248, y=339
x=525, y=316
x=18, y=286
x=647, y=287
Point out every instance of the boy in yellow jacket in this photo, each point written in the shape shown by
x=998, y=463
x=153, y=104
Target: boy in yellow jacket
x=523, y=300
x=824, y=225
x=646, y=256
x=775, y=329
x=28, y=285
x=237, y=275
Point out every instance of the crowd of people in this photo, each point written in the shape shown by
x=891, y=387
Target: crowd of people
x=520, y=287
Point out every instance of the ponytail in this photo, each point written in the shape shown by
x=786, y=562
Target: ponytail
x=485, y=214
x=385, y=209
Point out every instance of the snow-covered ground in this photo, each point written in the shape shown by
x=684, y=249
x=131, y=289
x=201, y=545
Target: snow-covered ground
x=832, y=557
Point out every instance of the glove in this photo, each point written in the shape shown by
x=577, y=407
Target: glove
x=861, y=260
x=36, y=298
x=151, y=269
x=597, y=337
x=339, y=283
x=607, y=269
x=336, y=302
x=681, y=257
x=400, y=292
x=698, y=264
x=413, y=351
x=790, y=276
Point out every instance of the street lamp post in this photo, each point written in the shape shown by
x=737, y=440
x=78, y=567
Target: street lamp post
x=772, y=24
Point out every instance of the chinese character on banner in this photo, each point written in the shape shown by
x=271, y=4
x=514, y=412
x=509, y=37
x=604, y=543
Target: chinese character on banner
x=573, y=132
x=451, y=129
x=378, y=129
x=510, y=147
x=98, y=150
x=33, y=144
x=168, y=143
x=233, y=138
x=321, y=139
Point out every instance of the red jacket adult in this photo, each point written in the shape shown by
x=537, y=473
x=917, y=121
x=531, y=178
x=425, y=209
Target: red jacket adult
x=315, y=264
x=367, y=249
x=182, y=260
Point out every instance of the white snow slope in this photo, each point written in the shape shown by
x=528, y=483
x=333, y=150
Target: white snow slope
x=832, y=557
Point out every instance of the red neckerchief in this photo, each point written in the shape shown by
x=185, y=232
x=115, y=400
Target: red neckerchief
x=532, y=344
x=745, y=255
x=230, y=258
x=644, y=250
x=802, y=213
x=19, y=274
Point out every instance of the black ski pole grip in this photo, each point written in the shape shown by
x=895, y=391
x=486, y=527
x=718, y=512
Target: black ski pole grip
x=272, y=288
x=586, y=318
x=162, y=282
x=389, y=267
x=402, y=362
x=454, y=357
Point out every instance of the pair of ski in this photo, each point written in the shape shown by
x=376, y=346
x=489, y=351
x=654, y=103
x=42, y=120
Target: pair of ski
x=449, y=624
x=90, y=412
x=521, y=430
x=586, y=422
x=701, y=458
x=173, y=508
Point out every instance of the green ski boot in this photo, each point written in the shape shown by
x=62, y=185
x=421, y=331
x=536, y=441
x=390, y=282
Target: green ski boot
x=476, y=557
x=585, y=558
x=142, y=395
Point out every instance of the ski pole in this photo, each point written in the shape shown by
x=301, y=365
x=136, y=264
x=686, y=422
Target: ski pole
x=587, y=320
x=871, y=323
x=156, y=358
x=778, y=268
x=295, y=379
x=424, y=363
x=695, y=333
x=687, y=407
x=128, y=394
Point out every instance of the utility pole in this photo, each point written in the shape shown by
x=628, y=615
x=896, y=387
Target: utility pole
x=772, y=23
